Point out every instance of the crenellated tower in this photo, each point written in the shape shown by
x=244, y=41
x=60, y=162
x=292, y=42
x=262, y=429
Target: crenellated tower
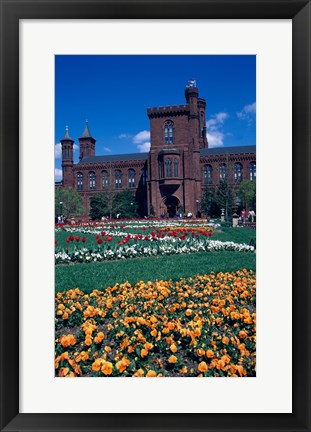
x=177, y=134
x=67, y=160
x=87, y=143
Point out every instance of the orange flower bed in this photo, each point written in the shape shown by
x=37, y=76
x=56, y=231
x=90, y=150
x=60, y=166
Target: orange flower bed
x=203, y=326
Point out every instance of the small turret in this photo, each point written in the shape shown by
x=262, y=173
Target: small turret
x=67, y=159
x=87, y=143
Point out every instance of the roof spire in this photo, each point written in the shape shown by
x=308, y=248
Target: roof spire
x=67, y=136
x=86, y=132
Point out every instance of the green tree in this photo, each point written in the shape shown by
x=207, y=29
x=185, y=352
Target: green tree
x=247, y=194
x=224, y=198
x=209, y=204
x=68, y=202
x=110, y=203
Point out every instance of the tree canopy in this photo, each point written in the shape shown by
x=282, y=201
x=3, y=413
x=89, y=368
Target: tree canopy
x=68, y=202
x=111, y=203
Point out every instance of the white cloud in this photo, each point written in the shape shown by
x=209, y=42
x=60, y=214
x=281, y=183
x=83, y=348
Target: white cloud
x=247, y=113
x=75, y=147
x=107, y=149
x=215, y=139
x=214, y=134
x=58, y=174
x=141, y=137
x=58, y=150
x=143, y=148
x=124, y=135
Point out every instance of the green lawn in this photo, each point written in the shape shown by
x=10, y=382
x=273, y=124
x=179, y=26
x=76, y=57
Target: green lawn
x=101, y=275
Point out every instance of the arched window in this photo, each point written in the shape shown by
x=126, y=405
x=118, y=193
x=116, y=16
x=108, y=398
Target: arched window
x=168, y=168
x=105, y=179
x=118, y=178
x=131, y=178
x=145, y=176
x=168, y=132
x=252, y=171
x=202, y=124
x=80, y=181
x=222, y=172
x=92, y=180
x=238, y=172
x=161, y=169
x=175, y=168
x=208, y=174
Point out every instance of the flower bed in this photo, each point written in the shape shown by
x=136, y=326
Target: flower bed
x=202, y=326
x=166, y=246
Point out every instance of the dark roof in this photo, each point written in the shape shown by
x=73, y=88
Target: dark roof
x=118, y=157
x=144, y=156
x=67, y=136
x=228, y=150
x=86, y=132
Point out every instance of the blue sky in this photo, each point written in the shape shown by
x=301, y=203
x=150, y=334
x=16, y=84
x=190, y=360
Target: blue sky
x=114, y=92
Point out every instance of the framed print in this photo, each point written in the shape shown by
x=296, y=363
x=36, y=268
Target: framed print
x=97, y=66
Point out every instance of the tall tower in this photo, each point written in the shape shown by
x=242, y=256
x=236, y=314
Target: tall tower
x=87, y=143
x=67, y=160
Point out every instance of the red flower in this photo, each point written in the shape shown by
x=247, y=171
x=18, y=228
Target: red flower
x=146, y=237
x=83, y=239
x=109, y=238
x=68, y=239
x=99, y=241
x=77, y=238
x=102, y=233
x=55, y=242
x=71, y=238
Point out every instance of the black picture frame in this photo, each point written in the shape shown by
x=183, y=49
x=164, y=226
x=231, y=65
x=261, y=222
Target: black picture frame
x=11, y=12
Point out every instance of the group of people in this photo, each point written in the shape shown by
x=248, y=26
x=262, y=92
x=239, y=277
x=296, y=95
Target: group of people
x=247, y=216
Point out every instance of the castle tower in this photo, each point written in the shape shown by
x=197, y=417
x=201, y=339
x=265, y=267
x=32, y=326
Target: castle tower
x=67, y=159
x=176, y=135
x=87, y=143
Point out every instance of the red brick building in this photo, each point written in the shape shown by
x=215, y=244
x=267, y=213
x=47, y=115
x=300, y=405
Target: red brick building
x=175, y=172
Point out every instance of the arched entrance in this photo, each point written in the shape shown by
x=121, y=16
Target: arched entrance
x=171, y=204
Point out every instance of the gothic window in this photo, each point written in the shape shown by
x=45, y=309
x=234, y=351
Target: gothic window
x=237, y=172
x=208, y=174
x=131, y=178
x=252, y=171
x=175, y=168
x=92, y=179
x=168, y=168
x=145, y=176
x=161, y=169
x=222, y=172
x=80, y=181
x=105, y=179
x=168, y=132
x=201, y=124
x=118, y=178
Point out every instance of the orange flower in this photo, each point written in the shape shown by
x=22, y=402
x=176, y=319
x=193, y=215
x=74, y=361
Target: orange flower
x=188, y=312
x=154, y=333
x=84, y=356
x=88, y=341
x=184, y=370
x=63, y=372
x=200, y=352
x=209, y=354
x=171, y=325
x=122, y=364
x=107, y=368
x=225, y=340
x=242, y=334
x=202, y=367
x=139, y=373
x=148, y=346
x=143, y=353
x=151, y=373
x=173, y=348
x=172, y=359
x=65, y=316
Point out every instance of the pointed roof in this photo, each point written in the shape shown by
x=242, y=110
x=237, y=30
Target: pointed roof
x=86, y=132
x=67, y=136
